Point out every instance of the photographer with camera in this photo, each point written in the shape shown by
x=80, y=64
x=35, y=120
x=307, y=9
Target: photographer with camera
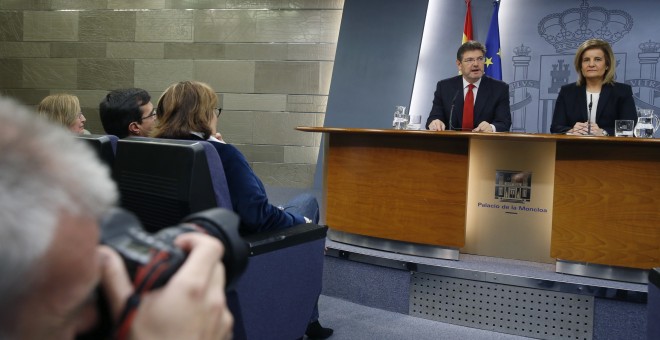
x=53, y=192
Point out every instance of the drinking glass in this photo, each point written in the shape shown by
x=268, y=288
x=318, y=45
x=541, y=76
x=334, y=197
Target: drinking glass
x=401, y=119
x=624, y=128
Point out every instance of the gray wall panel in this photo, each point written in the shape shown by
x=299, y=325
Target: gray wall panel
x=375, y=61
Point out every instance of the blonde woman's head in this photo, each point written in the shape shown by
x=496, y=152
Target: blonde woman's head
x=63, y=109
x=608, y=55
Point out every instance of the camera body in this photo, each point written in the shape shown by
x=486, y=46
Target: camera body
x=142, y=251
x=152, y=259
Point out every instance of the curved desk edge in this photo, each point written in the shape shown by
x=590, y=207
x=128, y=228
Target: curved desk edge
x=481, y=135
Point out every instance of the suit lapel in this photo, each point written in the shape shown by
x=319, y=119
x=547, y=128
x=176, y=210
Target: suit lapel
x=605, y=93
x=458, y=105
x=482, y=96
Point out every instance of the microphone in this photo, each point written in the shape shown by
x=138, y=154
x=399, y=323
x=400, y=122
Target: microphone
x=451, y=111
x=591, y=103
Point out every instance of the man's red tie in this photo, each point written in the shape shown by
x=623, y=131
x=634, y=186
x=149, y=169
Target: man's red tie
x=468, y=110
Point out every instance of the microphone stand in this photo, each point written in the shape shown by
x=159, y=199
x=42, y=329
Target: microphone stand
x=591, y=103
x=451, y=111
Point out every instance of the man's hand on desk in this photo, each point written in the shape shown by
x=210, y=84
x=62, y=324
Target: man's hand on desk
x=437, y=125
x=483, y=127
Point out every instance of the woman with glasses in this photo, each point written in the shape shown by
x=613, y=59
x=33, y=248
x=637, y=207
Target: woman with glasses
x=188, y=110
x=63, y=109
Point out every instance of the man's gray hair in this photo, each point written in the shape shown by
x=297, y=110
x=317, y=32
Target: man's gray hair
x=44, y=171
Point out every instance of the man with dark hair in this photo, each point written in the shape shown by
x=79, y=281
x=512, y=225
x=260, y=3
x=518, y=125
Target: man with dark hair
x=484, y=103
x=127, y=112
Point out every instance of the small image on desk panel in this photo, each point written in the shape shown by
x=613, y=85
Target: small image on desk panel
x=513, y=186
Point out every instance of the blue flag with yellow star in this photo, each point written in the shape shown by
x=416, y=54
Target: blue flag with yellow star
x=493, y=55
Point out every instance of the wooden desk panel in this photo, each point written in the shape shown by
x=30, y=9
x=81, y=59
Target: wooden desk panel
x=398, y=186
x=606, y=204
x=412, y=186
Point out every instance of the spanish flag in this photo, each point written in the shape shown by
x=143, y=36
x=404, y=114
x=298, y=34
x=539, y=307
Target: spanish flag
x=467, y=27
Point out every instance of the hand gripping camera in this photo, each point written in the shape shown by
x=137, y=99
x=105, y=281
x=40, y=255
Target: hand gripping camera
x=152, y=259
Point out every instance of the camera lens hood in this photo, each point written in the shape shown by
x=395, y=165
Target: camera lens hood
x=223, y=224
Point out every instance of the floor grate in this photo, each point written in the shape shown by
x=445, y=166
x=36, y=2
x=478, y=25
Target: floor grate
x=502, y=308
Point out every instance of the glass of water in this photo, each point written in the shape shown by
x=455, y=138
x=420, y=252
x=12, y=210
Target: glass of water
x=624, y=127
x=401, y=118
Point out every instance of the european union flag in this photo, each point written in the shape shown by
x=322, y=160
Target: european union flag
x=493, y=55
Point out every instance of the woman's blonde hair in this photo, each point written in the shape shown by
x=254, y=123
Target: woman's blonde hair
x=610, y=61
x=185, y=107
x=60, y=108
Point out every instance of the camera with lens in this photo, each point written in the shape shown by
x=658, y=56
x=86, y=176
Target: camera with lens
x=152, y=259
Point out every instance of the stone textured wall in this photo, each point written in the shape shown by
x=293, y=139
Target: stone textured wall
x=270, y=61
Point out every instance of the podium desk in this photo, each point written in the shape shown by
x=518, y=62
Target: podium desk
x=606, y=206
x=407, y=191
x=395, y=185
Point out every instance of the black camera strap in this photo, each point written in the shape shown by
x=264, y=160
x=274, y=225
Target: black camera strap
x=126, y=318
x=145, y=279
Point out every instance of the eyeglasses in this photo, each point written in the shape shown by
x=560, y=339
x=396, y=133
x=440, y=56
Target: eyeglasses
x=217, y=111
x=80, y=115
x=153, y=113
x=472, y=60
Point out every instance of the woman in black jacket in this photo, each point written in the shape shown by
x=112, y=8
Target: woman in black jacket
x=592, y=104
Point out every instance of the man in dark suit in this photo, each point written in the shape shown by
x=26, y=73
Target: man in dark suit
x=490, y=110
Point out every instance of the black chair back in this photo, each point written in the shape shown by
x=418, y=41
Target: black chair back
x=163, y=180
x=104, y=145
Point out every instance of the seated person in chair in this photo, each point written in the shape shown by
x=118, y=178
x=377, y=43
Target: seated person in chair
x=63, y=109
x=592, y=104
x=53, y=191
x=188, y=110
x=127, y=112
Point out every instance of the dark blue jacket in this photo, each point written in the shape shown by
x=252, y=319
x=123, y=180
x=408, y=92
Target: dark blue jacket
x=615, y=102
x=492, y=103
x=248, y=195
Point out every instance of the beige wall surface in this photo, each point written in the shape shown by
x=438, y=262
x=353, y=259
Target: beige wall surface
x=270, y=61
